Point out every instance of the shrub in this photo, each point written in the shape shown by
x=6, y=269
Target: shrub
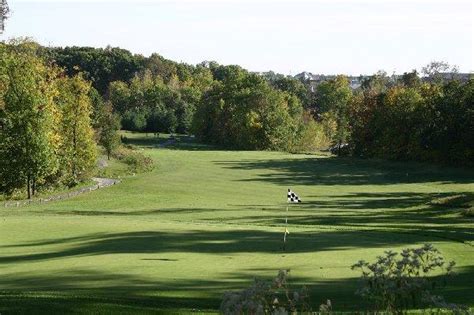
x=137, y=162
x=266, y=297
x=394, y=284
x=398, y=282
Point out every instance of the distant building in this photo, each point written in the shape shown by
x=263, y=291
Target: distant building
x=355, y=82
x=315, y=79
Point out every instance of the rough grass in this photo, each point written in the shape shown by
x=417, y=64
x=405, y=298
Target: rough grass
x=205, y=221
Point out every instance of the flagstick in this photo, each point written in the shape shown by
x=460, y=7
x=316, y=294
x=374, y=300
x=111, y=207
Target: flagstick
x=286, y=228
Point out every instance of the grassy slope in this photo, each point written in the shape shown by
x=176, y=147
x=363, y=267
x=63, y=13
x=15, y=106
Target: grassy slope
x=206, y=221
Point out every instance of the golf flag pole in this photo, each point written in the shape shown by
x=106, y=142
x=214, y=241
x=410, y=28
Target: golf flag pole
x=286, y=227
x=291, y=198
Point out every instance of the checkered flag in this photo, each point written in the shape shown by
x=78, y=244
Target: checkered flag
x=292, y=197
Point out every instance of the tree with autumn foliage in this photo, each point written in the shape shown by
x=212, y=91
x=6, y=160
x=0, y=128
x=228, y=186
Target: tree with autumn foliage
x=78, y=149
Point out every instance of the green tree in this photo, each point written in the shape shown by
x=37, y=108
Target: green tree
x=169, y=121
x=98, y=107
x=135, y=120
x=148, y=103
x=400, y=121
x=410, y=79
x=364, y=107
x=451, y=127
x=109, y=127
x=99, y=66
x=438, y=71
x=119, y=95
x=378, y=82
x=26, y=113
x=190, y=97
x=160, y=66
x=311, y=135
x=292, y=86
x=242, y=110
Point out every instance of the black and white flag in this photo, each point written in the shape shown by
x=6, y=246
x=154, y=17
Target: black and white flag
x=292, y=197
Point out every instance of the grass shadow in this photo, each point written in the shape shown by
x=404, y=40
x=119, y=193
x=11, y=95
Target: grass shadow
x=122, y=293
x=348, y=171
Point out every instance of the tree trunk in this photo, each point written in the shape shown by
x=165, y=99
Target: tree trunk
x=108, y=155
x=33, y=187
x=74, y=144
x=28, y=186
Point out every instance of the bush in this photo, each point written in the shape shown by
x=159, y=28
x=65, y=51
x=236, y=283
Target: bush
x=266, y=297
x=137, y=162
x=398, y=282
x=394, y=284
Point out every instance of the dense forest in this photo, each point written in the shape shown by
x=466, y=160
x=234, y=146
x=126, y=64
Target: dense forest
x=57, y=104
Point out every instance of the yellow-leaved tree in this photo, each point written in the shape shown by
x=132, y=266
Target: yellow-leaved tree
x=77, y=149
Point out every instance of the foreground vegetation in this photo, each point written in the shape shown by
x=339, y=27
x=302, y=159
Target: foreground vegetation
x=206, y=221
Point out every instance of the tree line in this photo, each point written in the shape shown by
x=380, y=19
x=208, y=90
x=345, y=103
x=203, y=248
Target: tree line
x=408, y=117
x=56, y=104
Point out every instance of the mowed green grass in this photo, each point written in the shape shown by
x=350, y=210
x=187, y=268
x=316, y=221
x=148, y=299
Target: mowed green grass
x=207, y=220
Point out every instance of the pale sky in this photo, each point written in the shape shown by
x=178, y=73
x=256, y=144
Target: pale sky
x=320, y=36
